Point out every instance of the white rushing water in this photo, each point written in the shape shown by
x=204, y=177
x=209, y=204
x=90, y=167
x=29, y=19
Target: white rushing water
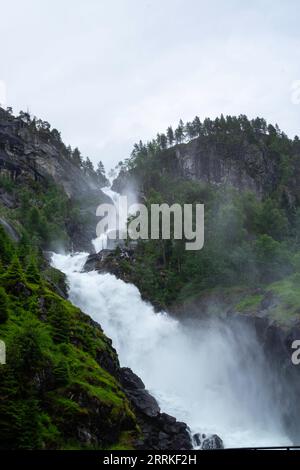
x=210, y=374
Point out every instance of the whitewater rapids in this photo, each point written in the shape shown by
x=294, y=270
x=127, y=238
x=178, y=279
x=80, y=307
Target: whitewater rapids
x=211, y=375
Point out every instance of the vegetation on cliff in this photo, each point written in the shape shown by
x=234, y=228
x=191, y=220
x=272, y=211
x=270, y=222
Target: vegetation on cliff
x=46, y=187
x=59, y=388
x=252, y=220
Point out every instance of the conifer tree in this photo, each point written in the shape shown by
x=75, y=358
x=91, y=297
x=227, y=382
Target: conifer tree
x=197, y=126
x=3, y=305
x=24, y=247
x=59, y=321
x=32, y=272
x=190, y=131
x=179, y=132
x=100, y=169
x=14, y=274
x=170, y=135
x=61, y=373
x=6, y=248
x=76, y=156
x=88, y=166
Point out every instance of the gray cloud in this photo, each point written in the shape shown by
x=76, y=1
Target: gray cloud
x=107, y=73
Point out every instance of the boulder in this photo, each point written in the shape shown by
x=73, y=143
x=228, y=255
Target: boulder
x=159, y=430
x=208, y=442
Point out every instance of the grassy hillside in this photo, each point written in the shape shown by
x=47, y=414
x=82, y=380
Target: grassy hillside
x=59, y=387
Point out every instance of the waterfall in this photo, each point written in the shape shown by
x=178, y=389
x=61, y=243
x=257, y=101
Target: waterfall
x=211, y=374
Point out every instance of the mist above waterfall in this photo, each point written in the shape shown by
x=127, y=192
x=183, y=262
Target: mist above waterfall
x=211, y=374
x=118, y=225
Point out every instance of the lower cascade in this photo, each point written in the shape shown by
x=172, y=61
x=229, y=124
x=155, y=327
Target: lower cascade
x=211, y=374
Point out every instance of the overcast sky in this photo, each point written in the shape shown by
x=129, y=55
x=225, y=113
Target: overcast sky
x=109, y=72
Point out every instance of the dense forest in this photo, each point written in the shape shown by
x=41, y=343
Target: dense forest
x=251, y=236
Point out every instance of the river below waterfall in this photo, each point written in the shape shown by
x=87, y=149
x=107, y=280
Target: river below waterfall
x=212, y=375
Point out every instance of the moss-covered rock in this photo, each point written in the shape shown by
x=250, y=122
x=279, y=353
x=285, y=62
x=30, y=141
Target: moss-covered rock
x=60, y=385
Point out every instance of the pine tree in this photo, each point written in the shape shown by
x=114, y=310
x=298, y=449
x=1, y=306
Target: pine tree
x=34, y=220
x=77, y=158
x=24, y=247
x=190, y=131
x=208, y=126
x=61, y=373
x=56, y=135
x=59, y=321
x=100, y=169
x=162, y=141
x=197, y=126
x=32, y=272
x=25, y=350
x=69, y=151
x=29, y=425
x=88, y=166
x=6, y=248
x=14, y=275
x=3, y=305
x=179, y=132
x=170, y=135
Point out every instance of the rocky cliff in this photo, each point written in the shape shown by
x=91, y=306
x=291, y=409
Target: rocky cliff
x=248, y=178
x=63, y=385
x=253, y=161
x=31, y=153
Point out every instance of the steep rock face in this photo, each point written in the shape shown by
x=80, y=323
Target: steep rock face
x=28, y=155
x=159, y=430
x=242, y=166
x=222, y=160
x=11, y=232
x=277, y=341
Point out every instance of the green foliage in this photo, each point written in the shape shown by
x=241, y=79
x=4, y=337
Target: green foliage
x=45, y=213
x=26, y=347
x=60, y=323
x=14, y=274
x=3, y=306
x=296, y=262
x=248, y=240
x=6, y=183
x=273, y=258
x=271, y=220
x=54, y=357
x=249, y=303
x=24, y=247
x=61, y=372
x=6, y=247
x=288, y=303
x=32, y=272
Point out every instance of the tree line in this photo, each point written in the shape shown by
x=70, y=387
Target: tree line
x=44, y=130
x=236, y=126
